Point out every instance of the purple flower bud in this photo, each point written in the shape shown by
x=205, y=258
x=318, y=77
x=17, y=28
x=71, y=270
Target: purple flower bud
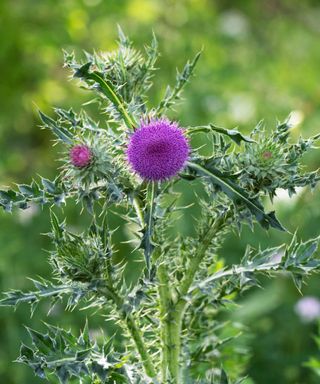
x=80, y=156
x=158, y=150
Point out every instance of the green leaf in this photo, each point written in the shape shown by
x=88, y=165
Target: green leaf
x=26, y=352
x=83, y=71
x=106, y=87
x=45, y=289
x=298, y=258
x=42, y=341
x=63, y=134
x=52, y=192
x=233, y=134
x=48, y=185
x=26, y=190
x=239, y=195
x=56, y=226
x=59, y=353
x=124, y=40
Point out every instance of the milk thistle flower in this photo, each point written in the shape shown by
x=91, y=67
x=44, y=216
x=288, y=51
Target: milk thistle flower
x=80, y=156
x=158, y=150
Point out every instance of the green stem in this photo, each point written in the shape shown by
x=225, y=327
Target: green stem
x=148, y=247
x=175, y=315
x=139, y=342
x=152, y=196
x=197, y=259
x=132, y=327
x=164, y=299
x=134, y=332
x=174, y=324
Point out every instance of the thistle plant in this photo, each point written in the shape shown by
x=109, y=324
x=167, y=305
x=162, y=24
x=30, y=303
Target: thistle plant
x=139, y=164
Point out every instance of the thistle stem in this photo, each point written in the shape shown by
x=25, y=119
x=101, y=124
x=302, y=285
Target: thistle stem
x=174, y=324
x=176, y=314
x=164, y=299
x=131, y=325
x=151, y=193
x=134, y=332
x=139, y=342
x=197, y=259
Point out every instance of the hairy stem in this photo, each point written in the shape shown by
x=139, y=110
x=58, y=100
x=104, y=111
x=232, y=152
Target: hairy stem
x=200, y=254
x=175, y=315
x=131, y=325
x=174, y=343
x=165, y=299
x=151, y=194
x=134, y=332
x=139, y=342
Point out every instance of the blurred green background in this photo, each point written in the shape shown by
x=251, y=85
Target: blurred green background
x=260, y=60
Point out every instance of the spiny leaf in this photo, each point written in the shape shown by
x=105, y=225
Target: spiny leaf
x=106, y=87
x=45, y=289
x=124, y=41
x=237, y=194
x=56, y=226
x=51, y=192
x=299, y=258
x=63, y=134
x=59, y=352
x=233, y=134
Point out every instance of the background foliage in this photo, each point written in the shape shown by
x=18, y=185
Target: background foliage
x=260, y=60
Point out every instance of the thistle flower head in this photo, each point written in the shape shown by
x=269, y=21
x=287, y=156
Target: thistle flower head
x=158, y=150
x=80, y=156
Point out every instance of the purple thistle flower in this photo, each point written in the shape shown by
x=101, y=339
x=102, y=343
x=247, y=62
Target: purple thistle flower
x=158, y=150
x=80, y=156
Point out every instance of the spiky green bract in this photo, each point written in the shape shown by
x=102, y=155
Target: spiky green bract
x=106, y=174
x=268, y=162
x=275, y=163
x=78, y=257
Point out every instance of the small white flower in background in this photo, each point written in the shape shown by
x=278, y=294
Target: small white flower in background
x=308, y=309
x=234, y=24
x=242, y=108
